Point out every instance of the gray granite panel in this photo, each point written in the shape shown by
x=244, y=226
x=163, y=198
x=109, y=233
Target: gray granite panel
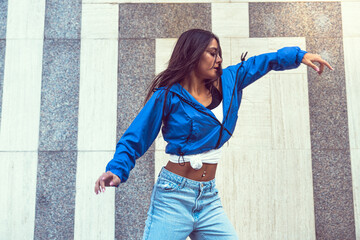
x=55, y=195
x=327, y=97
x=2, y=64
x=3, y=18
x=63, y=19
x=136, y=67
x=162, y=20
x=333, y=198
x=60, y=95
x=133, y=199
x=320, y=23
x=294, y=19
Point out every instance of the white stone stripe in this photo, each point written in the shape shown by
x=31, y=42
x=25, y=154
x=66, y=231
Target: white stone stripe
x=99, y=21
x=95, y=214
x=352, y=73
x=350, y=22
x=22, y=76
x=21, y=95
x=351, y=42
x=98, y=95
x=17, y=198
x=230, y=19
x=25, y=19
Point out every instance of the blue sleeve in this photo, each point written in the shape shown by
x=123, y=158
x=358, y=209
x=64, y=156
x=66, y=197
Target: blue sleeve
x=257, y=66
x=138, y=137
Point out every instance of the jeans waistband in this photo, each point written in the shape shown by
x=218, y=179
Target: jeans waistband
x=183, y=181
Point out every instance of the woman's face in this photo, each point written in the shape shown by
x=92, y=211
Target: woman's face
x=206, y=68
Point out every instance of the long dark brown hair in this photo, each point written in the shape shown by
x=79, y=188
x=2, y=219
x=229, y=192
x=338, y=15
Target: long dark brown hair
x=185, y=58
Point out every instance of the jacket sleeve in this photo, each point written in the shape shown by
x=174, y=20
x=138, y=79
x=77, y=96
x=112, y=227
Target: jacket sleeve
x=257, y=66
x=138, y=137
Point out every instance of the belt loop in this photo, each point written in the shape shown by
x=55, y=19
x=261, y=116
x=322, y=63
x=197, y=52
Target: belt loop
x=162, y=169
x=183, y=181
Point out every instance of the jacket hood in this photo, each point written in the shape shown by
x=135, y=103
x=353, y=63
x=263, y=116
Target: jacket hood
x=227, y=89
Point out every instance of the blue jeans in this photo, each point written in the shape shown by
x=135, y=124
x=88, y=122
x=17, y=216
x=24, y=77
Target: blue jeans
x=181, y=207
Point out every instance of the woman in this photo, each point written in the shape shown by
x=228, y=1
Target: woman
x=197, y=102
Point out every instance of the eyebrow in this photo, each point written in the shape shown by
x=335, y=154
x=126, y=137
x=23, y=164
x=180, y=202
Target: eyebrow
x=213, y=48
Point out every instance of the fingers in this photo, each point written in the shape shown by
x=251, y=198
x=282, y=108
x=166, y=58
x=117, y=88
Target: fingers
x=98, y=185
x=116, y=181
x=327, y=64
x=309, y=59
x=321, y=68
x=313, y=66
x=106, y=179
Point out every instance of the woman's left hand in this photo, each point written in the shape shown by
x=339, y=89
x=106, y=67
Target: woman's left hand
x=309, y=59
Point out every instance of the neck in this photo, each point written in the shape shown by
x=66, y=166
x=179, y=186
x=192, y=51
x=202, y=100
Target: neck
x=194, y=84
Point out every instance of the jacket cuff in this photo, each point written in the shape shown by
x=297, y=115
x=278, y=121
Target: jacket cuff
x=118, y=172
x=300, y=56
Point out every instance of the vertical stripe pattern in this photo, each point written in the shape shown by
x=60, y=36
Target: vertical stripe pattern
x=73, y=76
x=56, y=176
x=20, y=113
x=3, y=20
x=330, y=151
x=97, y=120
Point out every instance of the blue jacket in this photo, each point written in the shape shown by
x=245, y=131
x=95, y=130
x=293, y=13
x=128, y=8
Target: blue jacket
x=188, y=126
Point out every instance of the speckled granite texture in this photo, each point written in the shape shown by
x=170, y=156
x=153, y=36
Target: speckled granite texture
x=321, y=24
x=162, y=20
x=60, y=95
x=57, y=161
x=3, y=18
x=3, y=21
x=307, y=19
x=2, y=60
x=63, y=19
x=136, y=67
x=139, y=25
x=135, y=71
x=55, y=195
x=332, y=178
x=328, y=108
x=133, y=199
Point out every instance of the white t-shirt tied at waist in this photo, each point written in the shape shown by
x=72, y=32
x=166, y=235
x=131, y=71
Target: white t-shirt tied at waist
x=212, y=156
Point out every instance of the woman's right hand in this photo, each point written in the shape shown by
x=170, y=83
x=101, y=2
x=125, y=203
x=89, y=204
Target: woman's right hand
x=107, y=179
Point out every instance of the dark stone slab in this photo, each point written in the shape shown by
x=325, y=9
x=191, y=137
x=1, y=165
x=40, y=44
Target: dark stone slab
x=333, y=197
x=60, y=95
x=162, y=20
x=136, y=69
x=55, y=195
x=133, y=199
x=2, y=64
x=3, y=18
x=327, y=97
x=63, y=19
x=294, y=19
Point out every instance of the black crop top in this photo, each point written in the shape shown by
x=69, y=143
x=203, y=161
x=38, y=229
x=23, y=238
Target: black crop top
x=216, y=98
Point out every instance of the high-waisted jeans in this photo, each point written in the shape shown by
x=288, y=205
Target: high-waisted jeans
x=181, y=207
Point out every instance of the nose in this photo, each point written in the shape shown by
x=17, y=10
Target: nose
x=218, y=59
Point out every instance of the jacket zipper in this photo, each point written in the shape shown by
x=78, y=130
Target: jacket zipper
x=232, y=97
x=222, y=125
